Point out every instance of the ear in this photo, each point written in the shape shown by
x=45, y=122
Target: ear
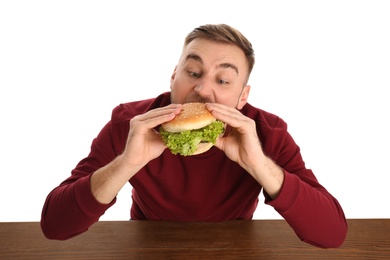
x=173, y=74
x=173, y=77
x=243, y=99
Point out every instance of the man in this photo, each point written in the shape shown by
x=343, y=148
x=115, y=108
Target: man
x=255, y=153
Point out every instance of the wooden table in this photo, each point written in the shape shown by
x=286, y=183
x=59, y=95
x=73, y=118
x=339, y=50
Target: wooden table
x=256, y=239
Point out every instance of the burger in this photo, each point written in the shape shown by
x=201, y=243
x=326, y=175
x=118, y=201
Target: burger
x=193, y=131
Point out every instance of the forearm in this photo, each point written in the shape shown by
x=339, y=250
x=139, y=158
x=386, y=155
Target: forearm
x=71, y=209
x=107, y=181
x=313, y=213
x=269, y=175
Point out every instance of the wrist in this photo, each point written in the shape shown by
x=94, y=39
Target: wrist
x=270, y=176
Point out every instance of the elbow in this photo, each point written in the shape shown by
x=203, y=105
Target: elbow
x=56, y=230
x=54, y=233
x=50, y=229
x=49, y=232
x=340, y=234
x=331, y=237
x=338, y=240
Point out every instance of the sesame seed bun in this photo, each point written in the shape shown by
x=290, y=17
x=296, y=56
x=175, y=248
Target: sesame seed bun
x=193, y=116
x=202, y=147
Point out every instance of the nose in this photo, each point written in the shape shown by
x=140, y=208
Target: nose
x=204, y=88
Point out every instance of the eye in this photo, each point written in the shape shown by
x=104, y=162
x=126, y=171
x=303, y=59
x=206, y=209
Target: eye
x=222, y=82
x=194, y=74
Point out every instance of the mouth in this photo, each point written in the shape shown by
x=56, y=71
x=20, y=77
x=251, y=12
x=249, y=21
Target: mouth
x=197, y=98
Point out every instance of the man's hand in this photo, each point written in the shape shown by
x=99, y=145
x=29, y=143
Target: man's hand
x=242, y=145
x=143, y=144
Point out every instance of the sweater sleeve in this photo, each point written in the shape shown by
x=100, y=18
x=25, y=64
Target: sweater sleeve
x=314, y=214
x=71, y=208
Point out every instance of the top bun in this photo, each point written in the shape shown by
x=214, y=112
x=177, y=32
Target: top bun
x=193, y=116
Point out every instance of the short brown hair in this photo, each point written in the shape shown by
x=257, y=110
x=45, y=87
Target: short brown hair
x=226, y=34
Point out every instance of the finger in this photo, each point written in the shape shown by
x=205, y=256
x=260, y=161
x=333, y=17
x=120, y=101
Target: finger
x=161, y=111
x=229, y=115
x=158, y=116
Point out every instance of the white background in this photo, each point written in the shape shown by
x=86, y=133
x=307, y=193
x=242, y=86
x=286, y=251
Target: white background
x=323, y=66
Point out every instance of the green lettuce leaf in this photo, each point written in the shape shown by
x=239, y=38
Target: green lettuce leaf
x=185, y=143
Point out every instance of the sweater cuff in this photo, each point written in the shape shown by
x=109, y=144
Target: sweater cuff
x=86, y=201
x=288, y=194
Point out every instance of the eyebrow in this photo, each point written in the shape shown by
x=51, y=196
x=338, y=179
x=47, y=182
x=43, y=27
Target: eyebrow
x=222, y=65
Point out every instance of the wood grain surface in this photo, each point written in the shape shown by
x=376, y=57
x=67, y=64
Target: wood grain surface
x=255, y=239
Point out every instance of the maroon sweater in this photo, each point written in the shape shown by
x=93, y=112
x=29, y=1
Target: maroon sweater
x=205, y=187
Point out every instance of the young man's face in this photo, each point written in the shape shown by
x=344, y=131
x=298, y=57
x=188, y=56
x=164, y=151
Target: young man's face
x=211, y=72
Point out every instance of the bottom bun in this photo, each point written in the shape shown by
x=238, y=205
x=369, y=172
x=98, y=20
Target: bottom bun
x=203, y=147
